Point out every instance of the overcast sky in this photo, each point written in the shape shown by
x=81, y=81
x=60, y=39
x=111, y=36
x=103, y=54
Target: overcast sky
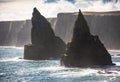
x=22, y=9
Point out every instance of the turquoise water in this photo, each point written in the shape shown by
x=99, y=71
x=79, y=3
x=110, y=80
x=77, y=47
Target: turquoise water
x=13, y=69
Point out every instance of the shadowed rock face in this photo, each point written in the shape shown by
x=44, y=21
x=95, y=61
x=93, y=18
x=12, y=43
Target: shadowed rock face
x=41, y=31
x=85, y=49
x=45, y=44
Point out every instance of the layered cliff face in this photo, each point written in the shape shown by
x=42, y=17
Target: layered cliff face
x=45, y=44
x=85, y=50
x=4, y=32
x=12, y=34
x=104, y=24
x=9, y=31
x=23, y=36
x=17, y=33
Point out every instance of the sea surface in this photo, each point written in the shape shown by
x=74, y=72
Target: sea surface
x=15, y=69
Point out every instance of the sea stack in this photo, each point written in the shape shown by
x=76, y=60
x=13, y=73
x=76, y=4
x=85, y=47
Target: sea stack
x=85, y=50
x=45, y=45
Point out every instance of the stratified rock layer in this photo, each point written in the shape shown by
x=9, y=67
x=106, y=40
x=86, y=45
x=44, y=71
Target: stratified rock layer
x=85, y=49
x=45, y=44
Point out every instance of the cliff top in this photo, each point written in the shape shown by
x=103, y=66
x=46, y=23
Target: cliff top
x=109, y=13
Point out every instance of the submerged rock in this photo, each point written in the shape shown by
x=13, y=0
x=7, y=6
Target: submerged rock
x=85, y=49
x=45, y=44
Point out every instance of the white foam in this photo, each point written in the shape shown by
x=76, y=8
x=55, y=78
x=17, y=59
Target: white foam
x=114, y=51
x=12, y=59
x=73, y=72
x=11, y=47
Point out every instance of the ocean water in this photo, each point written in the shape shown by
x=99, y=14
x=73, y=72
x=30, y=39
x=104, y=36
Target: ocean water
x=15, y=69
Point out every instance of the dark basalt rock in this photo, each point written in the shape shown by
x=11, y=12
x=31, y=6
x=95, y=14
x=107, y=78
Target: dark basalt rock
x=85, y=49
x=45, y=44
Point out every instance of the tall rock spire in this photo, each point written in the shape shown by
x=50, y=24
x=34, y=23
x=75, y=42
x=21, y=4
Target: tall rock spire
x=85, y=50
x=81, y=28
x=45, y=44
x=41, y=31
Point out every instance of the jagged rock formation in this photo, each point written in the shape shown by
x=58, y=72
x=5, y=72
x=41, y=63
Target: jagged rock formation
x=85, y=49
x=104, y=24
x=45, y=44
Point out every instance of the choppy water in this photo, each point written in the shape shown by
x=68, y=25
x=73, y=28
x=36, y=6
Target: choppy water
x=13, y=69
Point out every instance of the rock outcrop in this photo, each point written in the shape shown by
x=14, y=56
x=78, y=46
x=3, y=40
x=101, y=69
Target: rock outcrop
x=85, y=49
x=45, y=44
